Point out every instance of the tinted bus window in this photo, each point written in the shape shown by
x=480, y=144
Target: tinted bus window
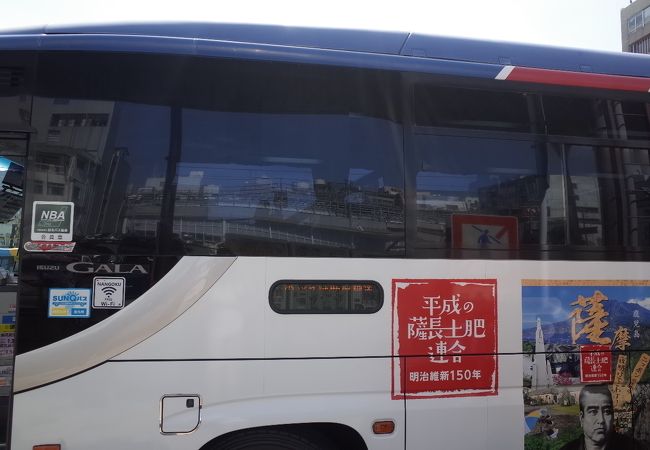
x=607, y=191
x=219, y=157
x=488, y=178
x=597, y=118
x=441, y=106
x=553, y=194
x=292, y=184
x=16, y=79
x=97, y=165
x=572, y=117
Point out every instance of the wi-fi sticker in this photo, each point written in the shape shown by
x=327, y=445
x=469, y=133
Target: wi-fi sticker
x=109, y=290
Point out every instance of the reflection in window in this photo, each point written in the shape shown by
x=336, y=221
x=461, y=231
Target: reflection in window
x=288, y=183
x=55, y=189
x=471, y=108
x=598, y=118
x=12, y=174
x=488, y=177
x=16, y=73
x=601, y=199
x=219, y=157
x=37, y=187
x=98, y=166
x=608, y=196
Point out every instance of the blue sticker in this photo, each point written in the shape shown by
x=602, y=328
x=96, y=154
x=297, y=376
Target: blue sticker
x=8, y=319
x=68, y=302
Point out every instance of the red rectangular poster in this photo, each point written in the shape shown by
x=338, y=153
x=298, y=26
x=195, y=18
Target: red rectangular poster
x=445, y=334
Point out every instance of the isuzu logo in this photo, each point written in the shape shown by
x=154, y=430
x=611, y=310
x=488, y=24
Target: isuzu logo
x=87, y=267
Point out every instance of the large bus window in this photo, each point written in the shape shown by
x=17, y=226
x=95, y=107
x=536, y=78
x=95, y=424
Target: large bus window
x=533, y=174
x=288, y=184
x=219, y=157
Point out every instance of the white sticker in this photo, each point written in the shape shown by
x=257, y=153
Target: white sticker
x=52, y=221
x=108, y=292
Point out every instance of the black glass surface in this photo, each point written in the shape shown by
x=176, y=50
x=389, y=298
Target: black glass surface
x=176, y=155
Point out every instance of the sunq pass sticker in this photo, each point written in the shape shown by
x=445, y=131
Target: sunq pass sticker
x=69, y=303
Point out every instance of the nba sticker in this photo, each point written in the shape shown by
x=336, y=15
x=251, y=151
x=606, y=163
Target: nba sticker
x=52, y=221
x=108, y=292
x=69, y=303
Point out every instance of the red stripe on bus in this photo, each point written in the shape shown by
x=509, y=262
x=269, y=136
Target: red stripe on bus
x=590, y=80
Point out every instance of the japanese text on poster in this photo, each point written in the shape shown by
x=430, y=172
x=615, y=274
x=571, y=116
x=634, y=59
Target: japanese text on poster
x=445, y=332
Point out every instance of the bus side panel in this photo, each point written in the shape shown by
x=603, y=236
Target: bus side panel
x=442, y=420
x=226, y=323
x=230, y=323
x=505, y=412
x=349, y=391
x=301, y=367
x=351, y=374
x=235, y=395
x=117, y=405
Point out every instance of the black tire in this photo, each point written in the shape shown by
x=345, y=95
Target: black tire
x=271, y=439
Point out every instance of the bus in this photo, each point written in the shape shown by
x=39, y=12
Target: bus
x=261, y=237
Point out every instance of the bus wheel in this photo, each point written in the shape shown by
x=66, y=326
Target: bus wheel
x=270, y=439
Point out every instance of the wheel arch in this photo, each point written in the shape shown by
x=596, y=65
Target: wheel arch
x=342, y=437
